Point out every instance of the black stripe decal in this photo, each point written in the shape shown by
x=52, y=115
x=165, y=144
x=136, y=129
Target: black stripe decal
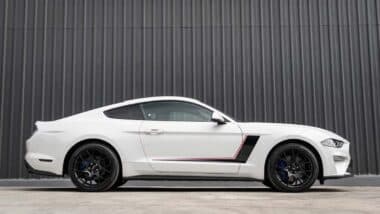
x=245, y=152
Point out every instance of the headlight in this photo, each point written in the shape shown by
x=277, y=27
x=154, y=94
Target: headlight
x=332, y=143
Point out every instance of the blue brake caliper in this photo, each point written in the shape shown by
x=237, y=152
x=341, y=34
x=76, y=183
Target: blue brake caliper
x=281, y=165
x=83, y=165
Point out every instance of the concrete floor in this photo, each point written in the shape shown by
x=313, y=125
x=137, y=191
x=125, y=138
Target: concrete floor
x=321, y=199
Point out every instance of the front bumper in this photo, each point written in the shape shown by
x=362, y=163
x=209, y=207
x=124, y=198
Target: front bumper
x=335, y=161
x=348, y=174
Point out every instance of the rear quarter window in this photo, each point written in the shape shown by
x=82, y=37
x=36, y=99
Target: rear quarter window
x=130, y=112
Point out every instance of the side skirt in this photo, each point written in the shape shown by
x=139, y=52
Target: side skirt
x=190, y=178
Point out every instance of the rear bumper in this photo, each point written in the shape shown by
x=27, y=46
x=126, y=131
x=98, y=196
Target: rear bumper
x=31, y=170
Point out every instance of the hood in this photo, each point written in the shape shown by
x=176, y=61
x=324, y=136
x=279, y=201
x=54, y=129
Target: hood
x=256, y=128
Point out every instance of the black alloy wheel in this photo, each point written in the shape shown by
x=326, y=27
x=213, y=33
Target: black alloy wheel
x=292, y=168
x=94, y=167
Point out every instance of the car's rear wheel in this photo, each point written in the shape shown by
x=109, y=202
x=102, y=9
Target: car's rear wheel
x=94, y=167
x=266, y=183
x=291, y=168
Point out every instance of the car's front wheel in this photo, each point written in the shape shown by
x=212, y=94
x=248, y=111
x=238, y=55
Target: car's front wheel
x=292, y=168
x=119, y=182
x=94, y=167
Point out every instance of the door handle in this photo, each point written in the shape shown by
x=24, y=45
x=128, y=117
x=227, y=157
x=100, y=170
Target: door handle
x=154, y=132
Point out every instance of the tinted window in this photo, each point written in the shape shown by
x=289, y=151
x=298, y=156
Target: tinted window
x=175, y=111
x=131, y=112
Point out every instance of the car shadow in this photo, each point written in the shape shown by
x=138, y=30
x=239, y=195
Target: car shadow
x=178, y=189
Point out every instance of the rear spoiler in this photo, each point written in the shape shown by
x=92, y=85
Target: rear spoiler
x=40, y=124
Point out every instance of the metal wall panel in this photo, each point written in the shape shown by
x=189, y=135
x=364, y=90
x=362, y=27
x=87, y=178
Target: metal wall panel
x=312, y=62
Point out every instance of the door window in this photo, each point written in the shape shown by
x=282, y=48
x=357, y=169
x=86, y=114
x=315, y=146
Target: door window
x=175, y=111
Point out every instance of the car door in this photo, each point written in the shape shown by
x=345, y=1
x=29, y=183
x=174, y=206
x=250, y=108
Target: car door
x=179, y=136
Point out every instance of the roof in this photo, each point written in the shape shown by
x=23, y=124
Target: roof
x=158, y=98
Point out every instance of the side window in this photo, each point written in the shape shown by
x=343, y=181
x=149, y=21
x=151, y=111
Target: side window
x=175, y=111
x=130, y=112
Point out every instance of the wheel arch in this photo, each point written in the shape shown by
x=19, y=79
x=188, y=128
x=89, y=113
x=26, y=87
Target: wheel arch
x=301, y=142
x=87, y=141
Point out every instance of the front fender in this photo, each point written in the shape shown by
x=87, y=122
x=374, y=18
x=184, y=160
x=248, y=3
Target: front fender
x=255, y=166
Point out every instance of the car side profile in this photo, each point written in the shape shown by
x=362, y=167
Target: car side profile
x=182, y=138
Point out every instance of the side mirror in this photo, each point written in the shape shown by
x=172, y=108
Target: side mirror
x=218, y=118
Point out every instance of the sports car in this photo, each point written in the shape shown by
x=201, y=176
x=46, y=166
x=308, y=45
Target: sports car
x=182, y=138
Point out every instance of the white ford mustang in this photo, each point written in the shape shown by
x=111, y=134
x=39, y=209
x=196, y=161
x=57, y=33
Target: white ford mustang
x=182, y=138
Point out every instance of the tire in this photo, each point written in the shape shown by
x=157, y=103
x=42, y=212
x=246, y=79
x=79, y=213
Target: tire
x=266, y=183
x=119, y=182
x=291, y=168
x=94, y=167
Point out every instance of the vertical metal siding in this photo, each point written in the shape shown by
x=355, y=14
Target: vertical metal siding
x=312, y=62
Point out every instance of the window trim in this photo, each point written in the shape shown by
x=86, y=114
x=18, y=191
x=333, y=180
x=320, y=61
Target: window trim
x=142, y=110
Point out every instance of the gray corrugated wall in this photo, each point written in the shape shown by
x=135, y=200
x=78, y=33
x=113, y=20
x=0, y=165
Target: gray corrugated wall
x=312, y=62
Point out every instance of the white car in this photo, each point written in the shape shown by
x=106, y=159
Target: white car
x=182, y=138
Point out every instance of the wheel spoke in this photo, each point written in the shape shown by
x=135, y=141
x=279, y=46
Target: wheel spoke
x=293, y=156
x=80, y=157
x=90, y=154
